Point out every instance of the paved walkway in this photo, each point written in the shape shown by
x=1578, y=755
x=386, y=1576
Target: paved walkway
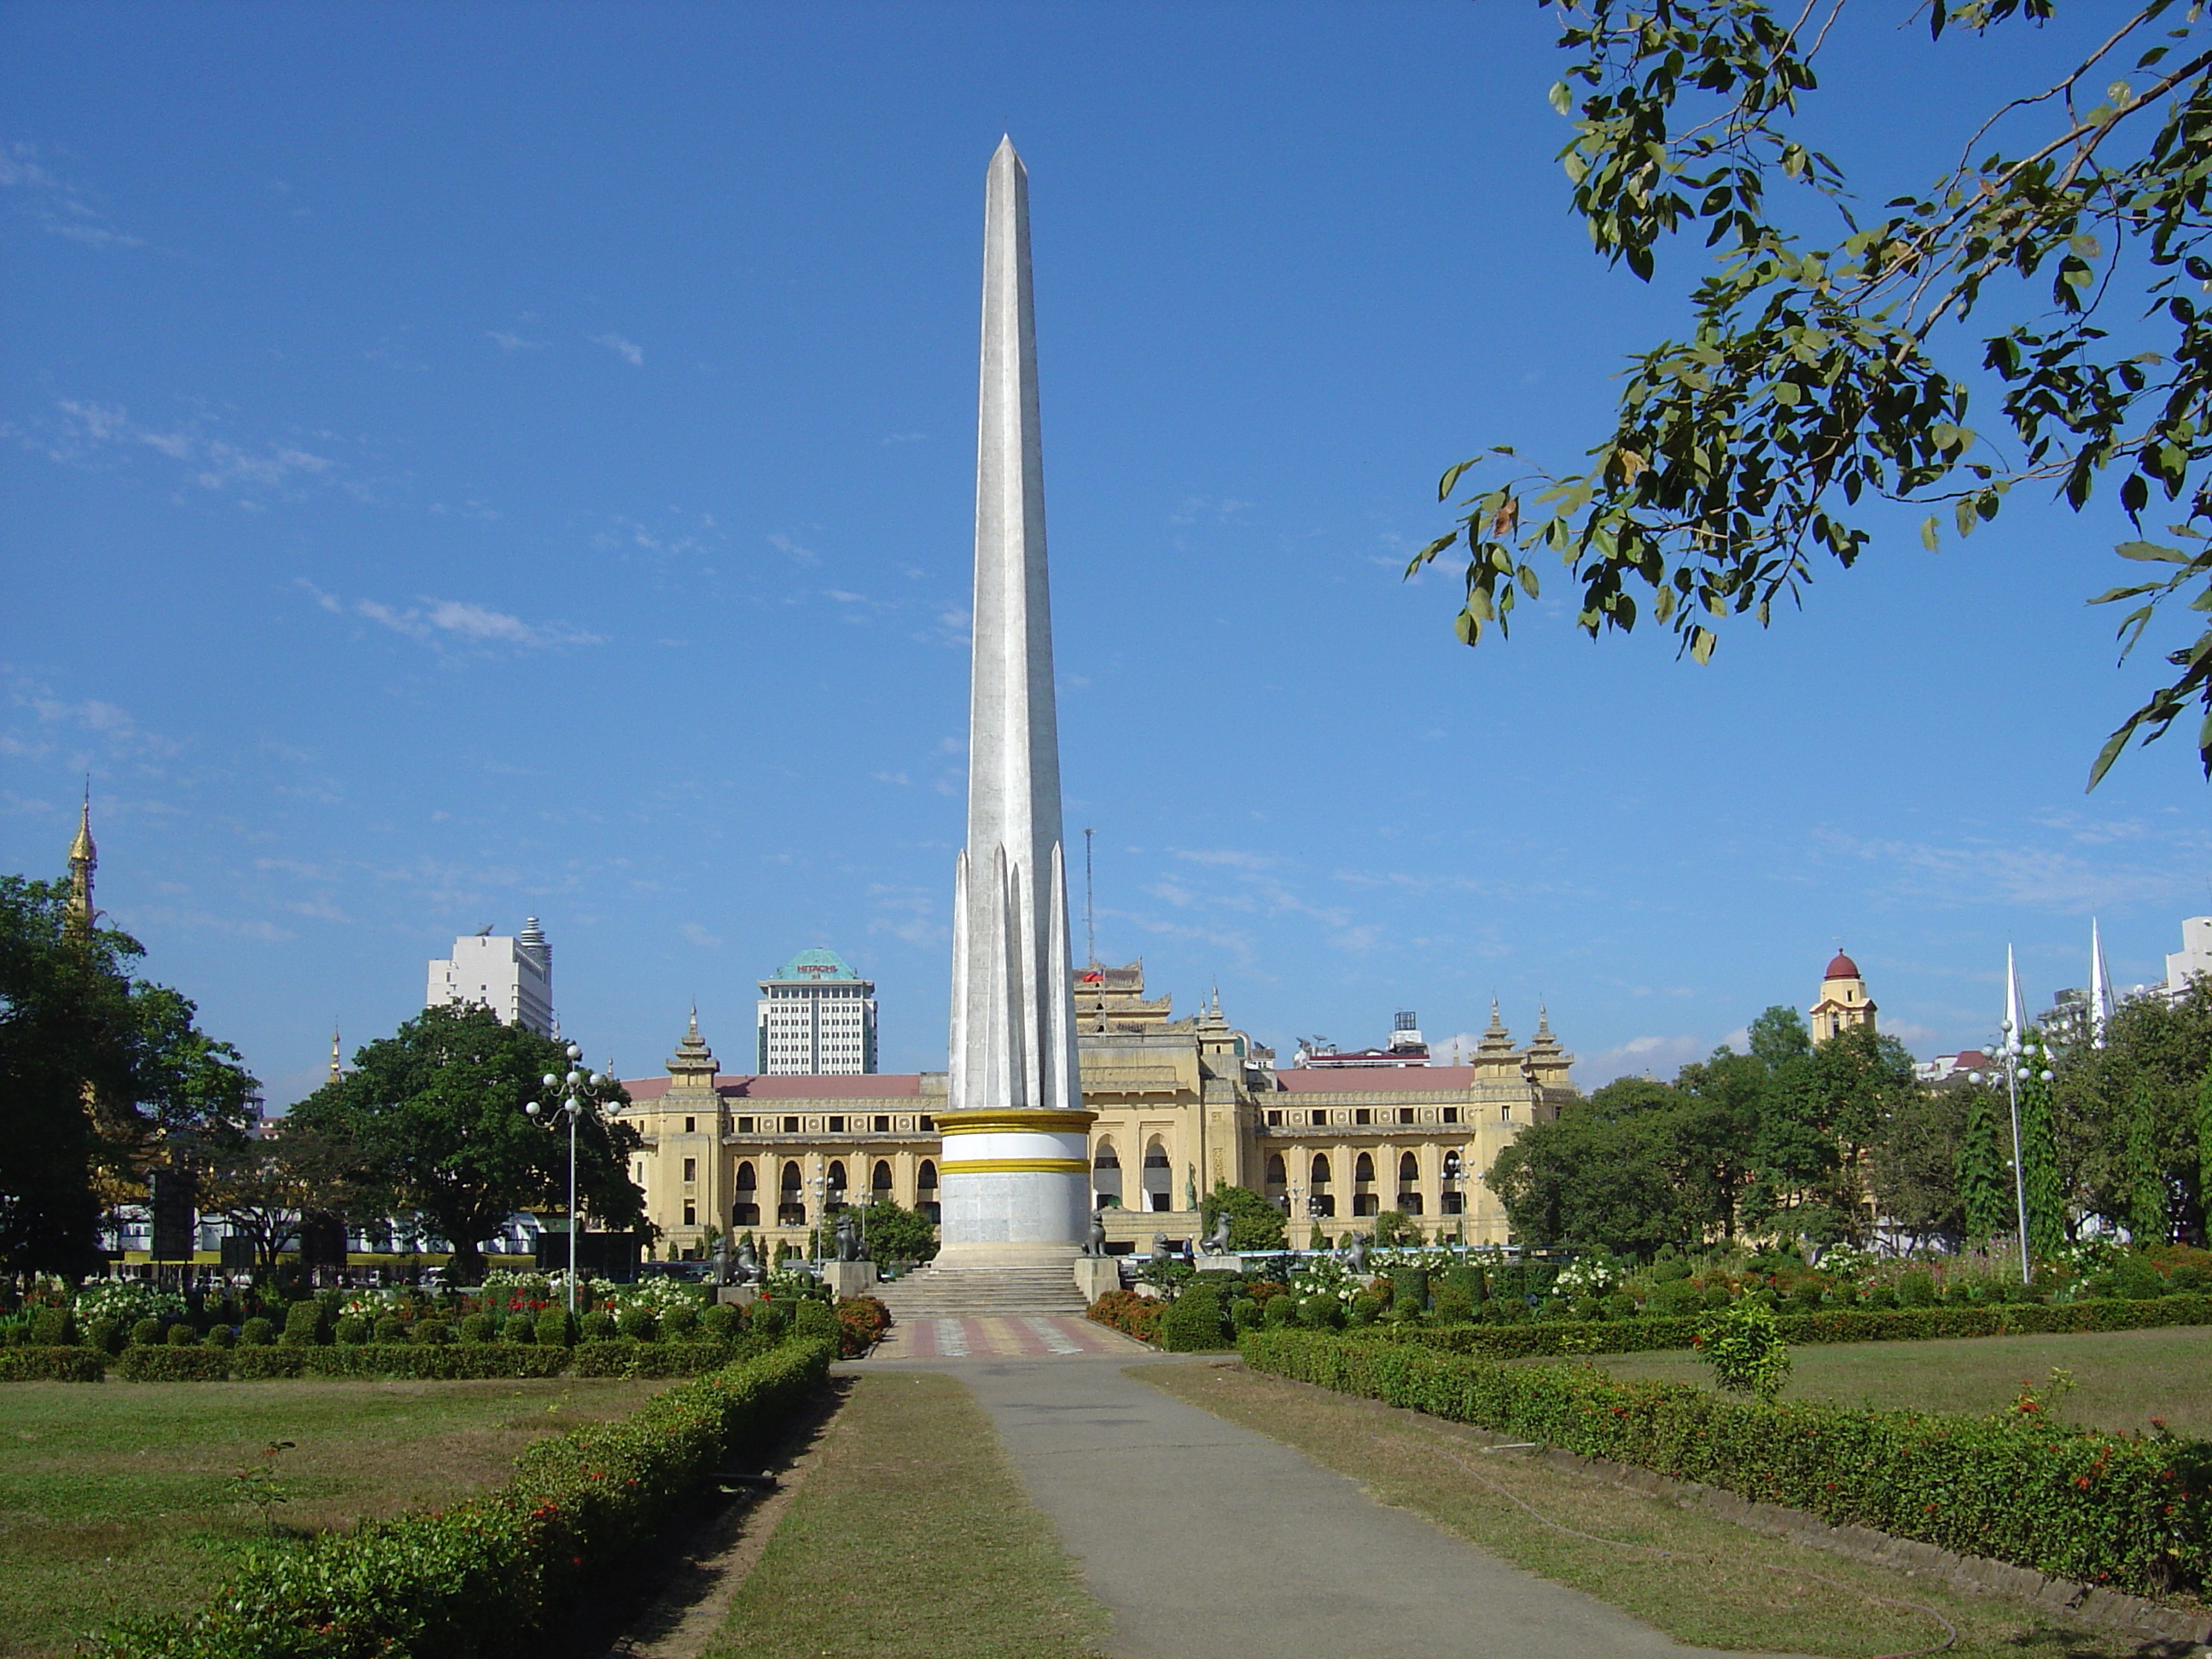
x=1206, y=1537
x=1003, y=1336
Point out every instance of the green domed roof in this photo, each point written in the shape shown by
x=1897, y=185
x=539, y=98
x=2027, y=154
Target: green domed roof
x=814, y=967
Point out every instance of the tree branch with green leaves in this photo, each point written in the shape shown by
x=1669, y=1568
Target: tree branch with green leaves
x=1813, y=381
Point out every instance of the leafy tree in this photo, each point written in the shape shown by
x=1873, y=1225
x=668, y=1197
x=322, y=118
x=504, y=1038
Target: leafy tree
x=1824, y=367
x=433, y=1121
x=1253, y=1223
x=1915, y=1163
x=1827, y=1108
x=101, y=1075
x=1715, y=1130
x=2146, y=1184
x=898, y=1234
x=2134, y=1104
x=1778, y=1038
x=1601, y=1173
x=1392, y=1227
x=268, y=1189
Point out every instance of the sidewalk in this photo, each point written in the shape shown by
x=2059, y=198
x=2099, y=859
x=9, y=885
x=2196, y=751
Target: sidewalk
x=1205, y=1538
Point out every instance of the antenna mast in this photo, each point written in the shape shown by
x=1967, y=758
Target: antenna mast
x=1090, y=913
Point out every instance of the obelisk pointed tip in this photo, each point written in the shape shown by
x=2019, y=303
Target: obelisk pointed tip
x=1007, y=158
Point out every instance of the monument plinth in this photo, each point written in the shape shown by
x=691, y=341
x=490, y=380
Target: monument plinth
x=1015, y=1177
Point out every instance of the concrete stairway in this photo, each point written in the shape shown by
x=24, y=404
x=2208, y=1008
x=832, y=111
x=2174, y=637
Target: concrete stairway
x=935, y=1293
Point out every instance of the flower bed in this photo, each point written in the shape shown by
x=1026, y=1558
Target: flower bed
x=861, y=1323
x=1645, y=1335
x=2132, y=1514
x=495, y=1575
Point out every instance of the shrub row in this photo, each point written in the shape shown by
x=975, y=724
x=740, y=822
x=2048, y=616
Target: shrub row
x=62, y=1364
x=1130, y=1314
x=200, y=1364
x=2134, y=1514
x=1806, y=1329
x=497, y=1574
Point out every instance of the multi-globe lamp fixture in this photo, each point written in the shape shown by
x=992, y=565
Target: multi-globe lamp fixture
x=573, y=1096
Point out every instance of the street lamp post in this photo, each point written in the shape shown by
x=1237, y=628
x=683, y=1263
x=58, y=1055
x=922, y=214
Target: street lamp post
x=2010, y=1052
x=572, y=1095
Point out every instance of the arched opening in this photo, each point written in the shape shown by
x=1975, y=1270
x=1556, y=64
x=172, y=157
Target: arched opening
x=1105, y=1176
x=879, y=1182
x=925, y=1190
x=1409, y=1170
x=1364, y=1170
x=745, y=1211
x=1278, y=1179
x=1159, y=1177
x=1409, y=1185
x=790, y=1201
x=1321, y=1201
x=834, y=1198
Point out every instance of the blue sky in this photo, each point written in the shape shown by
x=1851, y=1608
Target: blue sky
x=462, y=463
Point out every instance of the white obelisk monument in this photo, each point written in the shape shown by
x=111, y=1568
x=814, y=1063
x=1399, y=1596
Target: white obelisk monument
x=1016, y=1170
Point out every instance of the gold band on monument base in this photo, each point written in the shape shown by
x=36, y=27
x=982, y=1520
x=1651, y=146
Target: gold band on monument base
x=1005, y=1166
x=1003, y=1121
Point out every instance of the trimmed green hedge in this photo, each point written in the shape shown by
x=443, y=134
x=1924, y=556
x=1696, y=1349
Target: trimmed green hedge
x=64, y=1364
x=2133, y=1514
x=160, y=1363
x=495, y=1575
x=619, y=1357
x=1643, y=1335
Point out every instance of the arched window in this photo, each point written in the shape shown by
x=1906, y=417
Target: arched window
x=880, y=1181
x=791, y=1206
x=836, y=1177
x=747, y=1181
x=791, y=1181
x=1105, y=1176
x=1320, y=1169
x=924, y=1191
x=1364, y=1170
x=1409, y=1170
x=1159, y=1176
x=1278, y=1179
x=927, y=1181
x=745, y=1212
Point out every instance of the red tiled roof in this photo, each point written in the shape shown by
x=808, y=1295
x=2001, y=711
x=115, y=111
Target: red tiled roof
x=867, y=1086
x=1357, y=1079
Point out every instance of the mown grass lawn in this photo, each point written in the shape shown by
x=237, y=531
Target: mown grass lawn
x=119, y=1498
x=2121, y=1379
x=911, y=1539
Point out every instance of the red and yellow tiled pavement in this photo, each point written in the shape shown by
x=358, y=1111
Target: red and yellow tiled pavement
x=1000, y=1336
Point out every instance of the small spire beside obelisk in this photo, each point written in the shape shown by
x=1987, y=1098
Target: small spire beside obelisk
x=1015, y=1168
x=84, y=859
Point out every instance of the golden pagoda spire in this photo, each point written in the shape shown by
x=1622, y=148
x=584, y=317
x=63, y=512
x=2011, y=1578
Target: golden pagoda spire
x=337, y=1071
x=83, y=858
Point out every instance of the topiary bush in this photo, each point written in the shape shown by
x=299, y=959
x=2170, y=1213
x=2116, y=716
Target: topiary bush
x=146, y=1334
x=1281, y=1312
x=1245, y=1314
x=220, y=1336
x=435, y=1331
x=105, y=1334
x=769, y=1318
x=597, y=1325
x=257, y=1333
x=303, y=1325
x=475, y=1328
x=635, y=1322
x=51, y=1327
x=181, y=1335
x=720, y=1323
x=680, y=1323
x=519, y=1328
x=1321, y=1313
x=555, y=1328
x=1365, y=1309
x=1620, y=1305
x=1193, y=1321
x=351, y=1331
x=1915, y=1291
x=388, y=1329
x=814, y=1319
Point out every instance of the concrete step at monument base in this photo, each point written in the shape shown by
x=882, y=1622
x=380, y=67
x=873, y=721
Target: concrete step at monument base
x=932, y=1293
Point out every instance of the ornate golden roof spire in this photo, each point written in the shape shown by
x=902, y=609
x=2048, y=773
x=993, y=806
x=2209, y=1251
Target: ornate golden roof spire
x=337, y=1071
x=83, y=858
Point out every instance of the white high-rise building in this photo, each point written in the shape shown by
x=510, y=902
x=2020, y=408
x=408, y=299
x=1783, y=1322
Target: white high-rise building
x=817, y=1018
x=513, y=977
x=2194, y=957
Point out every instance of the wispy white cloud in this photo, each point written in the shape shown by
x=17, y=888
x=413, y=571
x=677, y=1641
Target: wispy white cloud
x=83, y=431
x=627, y=351
x=1662, y=1056
x=1976, y=870
x=506, y=341
x=57, y=206
x=460, y=623
x=699, y=936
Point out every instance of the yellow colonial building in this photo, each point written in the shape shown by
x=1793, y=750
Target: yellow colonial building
x=1181, y=1105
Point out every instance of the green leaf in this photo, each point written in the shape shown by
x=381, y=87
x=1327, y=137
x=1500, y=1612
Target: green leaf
x=1931, y=536
x=2151, y=552
x=1451, y=477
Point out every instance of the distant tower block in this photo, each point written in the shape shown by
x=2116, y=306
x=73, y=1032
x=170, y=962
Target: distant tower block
x=1016, y=1172
x=1842, y=1002
x=513, y=977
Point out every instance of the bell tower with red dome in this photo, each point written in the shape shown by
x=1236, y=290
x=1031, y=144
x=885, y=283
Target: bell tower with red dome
x=1844, y=1002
